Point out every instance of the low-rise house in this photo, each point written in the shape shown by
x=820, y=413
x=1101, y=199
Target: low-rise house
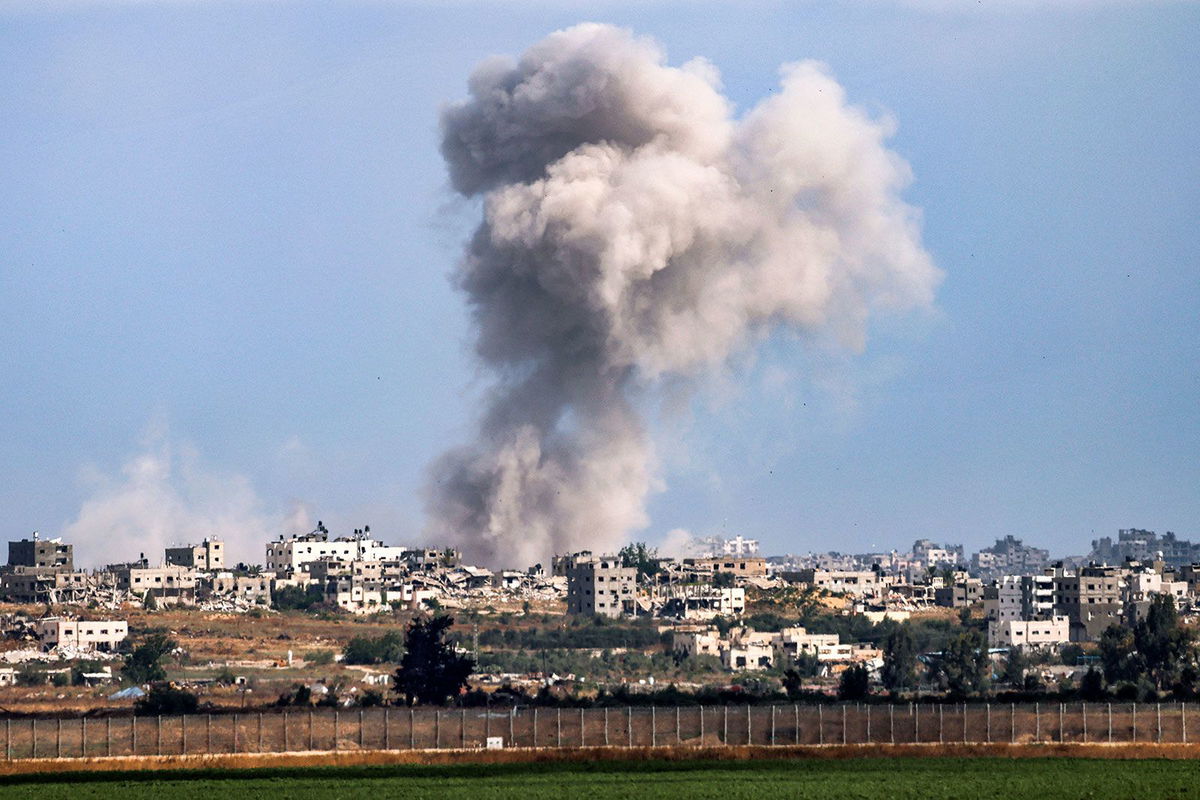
x=1030, y=634
x=102, y=635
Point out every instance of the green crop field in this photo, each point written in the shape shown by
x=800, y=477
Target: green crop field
x=1042, y=778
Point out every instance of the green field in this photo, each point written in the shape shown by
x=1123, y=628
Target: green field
x=1043, y=778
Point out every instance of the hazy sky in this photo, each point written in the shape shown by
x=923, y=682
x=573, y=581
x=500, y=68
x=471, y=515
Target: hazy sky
x=226, y=234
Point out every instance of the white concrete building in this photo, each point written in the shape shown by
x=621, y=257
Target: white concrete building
x=293, y=553
x=104, y=635
x=1032, y=633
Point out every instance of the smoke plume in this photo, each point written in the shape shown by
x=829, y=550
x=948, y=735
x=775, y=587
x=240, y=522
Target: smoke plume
x=633, y=231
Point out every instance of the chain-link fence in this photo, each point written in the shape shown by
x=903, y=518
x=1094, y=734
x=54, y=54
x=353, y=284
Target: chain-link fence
x=695, y=726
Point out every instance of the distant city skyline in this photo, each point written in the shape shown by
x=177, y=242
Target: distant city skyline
x=227, y=236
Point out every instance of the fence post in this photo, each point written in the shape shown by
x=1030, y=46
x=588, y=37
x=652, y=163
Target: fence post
x=583, y=728
x=558, y=727
x=158, y=735
x=868, y=723
x=312, y=741
x=83, y=737
x=8, y=740
x=535, y=712
x=916, y=715
x=360, y=729
x=1012, y=724
x=749, y=727
x=941, y=721
x=1037, y=722
x=796, y=720
x=653, y=727
x=1134, y=716
x=462, y=729
x=260, y=727
x=58, y=737
x=412, y=729
x=387, y=728
x=725, y=734
x=843, y=723
x=235, y=741
x=285, y=730
x=1158, y=715
x=336, y=727
x=1062, y=734
x=772, y=726
x=891, y=723
x=512, y=715
x=678, y=734
x=606, y=726
x=988, y=712
x=629, y=723
x=701, y=744
x=208, y=733
x=1085, y=722
x=108, y=736
x=1183, y=719
x=964, y=722
x=820, y=724
x=1110, y=723
x=132, y=736
x=437, y=728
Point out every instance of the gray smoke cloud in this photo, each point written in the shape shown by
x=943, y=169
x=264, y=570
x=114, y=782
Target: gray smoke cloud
x=635, y=231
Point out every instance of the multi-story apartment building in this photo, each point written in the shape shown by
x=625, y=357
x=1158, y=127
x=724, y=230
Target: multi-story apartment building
x=600, y=585
x=291, y=554
x=1009, y=557
x=209, y=555
x=1134, y=544
x=41, y=553
x=1091, y=598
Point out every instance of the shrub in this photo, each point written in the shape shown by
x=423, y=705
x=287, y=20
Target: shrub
x=166, y=699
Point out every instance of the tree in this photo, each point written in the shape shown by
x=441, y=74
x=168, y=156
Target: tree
x=855, y=683
x=1118, y=655
x=1164, y=645
x=378, y=650
x=1092, y=685
x=964, y=665
x=724, y=580
x=295, y=597
x=899, y=660
x=144, y=665
x=430, y=670
x=637, y=554
x=165, y=699
x=1014, y=667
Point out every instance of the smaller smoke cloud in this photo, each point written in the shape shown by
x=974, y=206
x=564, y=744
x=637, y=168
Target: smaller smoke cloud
x=165, y=495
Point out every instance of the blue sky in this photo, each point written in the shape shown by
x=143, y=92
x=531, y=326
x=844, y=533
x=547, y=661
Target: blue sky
x=225, y=235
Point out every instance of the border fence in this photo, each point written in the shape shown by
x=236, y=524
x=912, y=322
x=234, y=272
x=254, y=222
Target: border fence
x=397, y=728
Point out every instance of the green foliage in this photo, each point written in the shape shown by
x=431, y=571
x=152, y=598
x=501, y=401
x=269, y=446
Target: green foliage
x=165, y=699
x=899, y=660
x=430, y=670
x=1157, y=648
x=387, y=648
x=371, y=698
x=637, y=554
x=724, y=580
x=225, y=677
x=144, y=665
x=289, y=598
x=60, y=679
x=1014, y=667
x=1092, y=685
x=588, y=634
x=963, y=667
x=855, y=683
x=80, y=668
x=318, y=657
